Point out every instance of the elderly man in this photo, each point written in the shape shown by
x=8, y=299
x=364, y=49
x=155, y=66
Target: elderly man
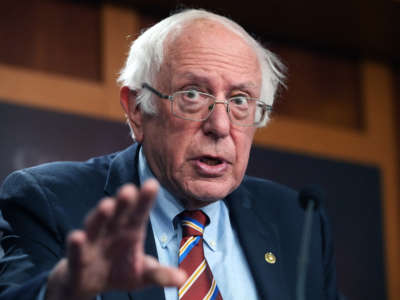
x=195, y=88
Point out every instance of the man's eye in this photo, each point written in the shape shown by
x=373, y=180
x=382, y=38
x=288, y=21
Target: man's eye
x=192, y=94
x=239, y=100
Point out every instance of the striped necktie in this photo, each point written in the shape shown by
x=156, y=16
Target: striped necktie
x=200, y=284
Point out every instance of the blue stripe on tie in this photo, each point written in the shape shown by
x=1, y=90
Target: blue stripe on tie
x=189, y=248
x=193, y=221
x=215, y=294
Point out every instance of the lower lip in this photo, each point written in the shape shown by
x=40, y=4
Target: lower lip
x=210, y=170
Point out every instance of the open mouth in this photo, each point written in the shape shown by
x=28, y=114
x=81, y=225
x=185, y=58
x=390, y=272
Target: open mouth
x=211, y=161
x=211, y=166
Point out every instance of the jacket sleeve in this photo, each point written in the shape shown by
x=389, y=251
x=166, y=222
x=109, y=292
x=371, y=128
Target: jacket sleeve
x=33, y=244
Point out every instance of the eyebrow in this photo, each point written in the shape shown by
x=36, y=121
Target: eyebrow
x=205, y=80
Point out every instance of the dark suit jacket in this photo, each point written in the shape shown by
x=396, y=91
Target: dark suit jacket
x=44, y=203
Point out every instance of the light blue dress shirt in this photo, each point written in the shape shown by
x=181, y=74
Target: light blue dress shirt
x=221, y=245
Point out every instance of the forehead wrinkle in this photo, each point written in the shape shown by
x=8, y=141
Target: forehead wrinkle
x=239, y=75
x=235, y=71
x=203, y=79
x=215, y=57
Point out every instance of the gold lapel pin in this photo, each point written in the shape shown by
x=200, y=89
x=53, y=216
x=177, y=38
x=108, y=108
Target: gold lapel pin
x=270, y=258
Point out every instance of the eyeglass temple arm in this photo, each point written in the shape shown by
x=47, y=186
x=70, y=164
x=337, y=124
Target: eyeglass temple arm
x=268, y=108
x=153, y=90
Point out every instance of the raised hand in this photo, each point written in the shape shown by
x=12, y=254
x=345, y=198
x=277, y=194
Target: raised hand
x=109, y=253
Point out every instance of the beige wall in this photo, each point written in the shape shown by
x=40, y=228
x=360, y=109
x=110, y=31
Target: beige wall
x=100, y=98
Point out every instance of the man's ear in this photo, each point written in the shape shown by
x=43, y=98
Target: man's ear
x=132, y=110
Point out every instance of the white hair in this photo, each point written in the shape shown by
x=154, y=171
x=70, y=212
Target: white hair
x=147, y=52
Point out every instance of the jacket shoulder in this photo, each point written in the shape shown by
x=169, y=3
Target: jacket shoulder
x=56, y=175
x=59, y=193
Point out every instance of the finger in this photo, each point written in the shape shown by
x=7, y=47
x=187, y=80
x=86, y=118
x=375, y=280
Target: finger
x=79, y=262
x=127, y=197
x=157, y=274
x=99, y=217
x=126, y=201
x=75, y=245
x=147, y=195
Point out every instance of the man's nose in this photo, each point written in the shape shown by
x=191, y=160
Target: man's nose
x=218, y=123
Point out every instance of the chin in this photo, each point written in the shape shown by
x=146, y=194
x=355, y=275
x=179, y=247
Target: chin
x=203, y=193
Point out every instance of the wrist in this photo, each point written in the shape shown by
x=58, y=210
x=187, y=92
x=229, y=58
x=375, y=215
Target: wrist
x=61, y=286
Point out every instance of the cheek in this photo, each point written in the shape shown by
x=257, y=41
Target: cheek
x=171, y=140
x=180, y=145
x=243, y=142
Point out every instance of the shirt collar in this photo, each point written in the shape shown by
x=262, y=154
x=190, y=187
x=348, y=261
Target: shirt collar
x=165, y=209
x=210, y=236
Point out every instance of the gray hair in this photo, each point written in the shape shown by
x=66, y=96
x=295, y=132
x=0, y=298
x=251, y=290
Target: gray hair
x=147, y=52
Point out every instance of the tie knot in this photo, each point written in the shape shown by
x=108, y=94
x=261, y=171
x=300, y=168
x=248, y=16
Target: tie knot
x=193, y=222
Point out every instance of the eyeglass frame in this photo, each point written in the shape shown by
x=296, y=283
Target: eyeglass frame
x=267, y=108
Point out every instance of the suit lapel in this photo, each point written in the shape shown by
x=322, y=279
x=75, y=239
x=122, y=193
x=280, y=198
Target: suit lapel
x=124, y=169
x=258, y=237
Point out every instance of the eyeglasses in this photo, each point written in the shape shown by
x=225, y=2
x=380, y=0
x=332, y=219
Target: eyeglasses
x=197, y=106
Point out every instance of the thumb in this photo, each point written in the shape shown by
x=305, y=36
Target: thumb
x=157, y=274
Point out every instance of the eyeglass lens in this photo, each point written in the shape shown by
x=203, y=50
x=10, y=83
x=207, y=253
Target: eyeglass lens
x=197, y=106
